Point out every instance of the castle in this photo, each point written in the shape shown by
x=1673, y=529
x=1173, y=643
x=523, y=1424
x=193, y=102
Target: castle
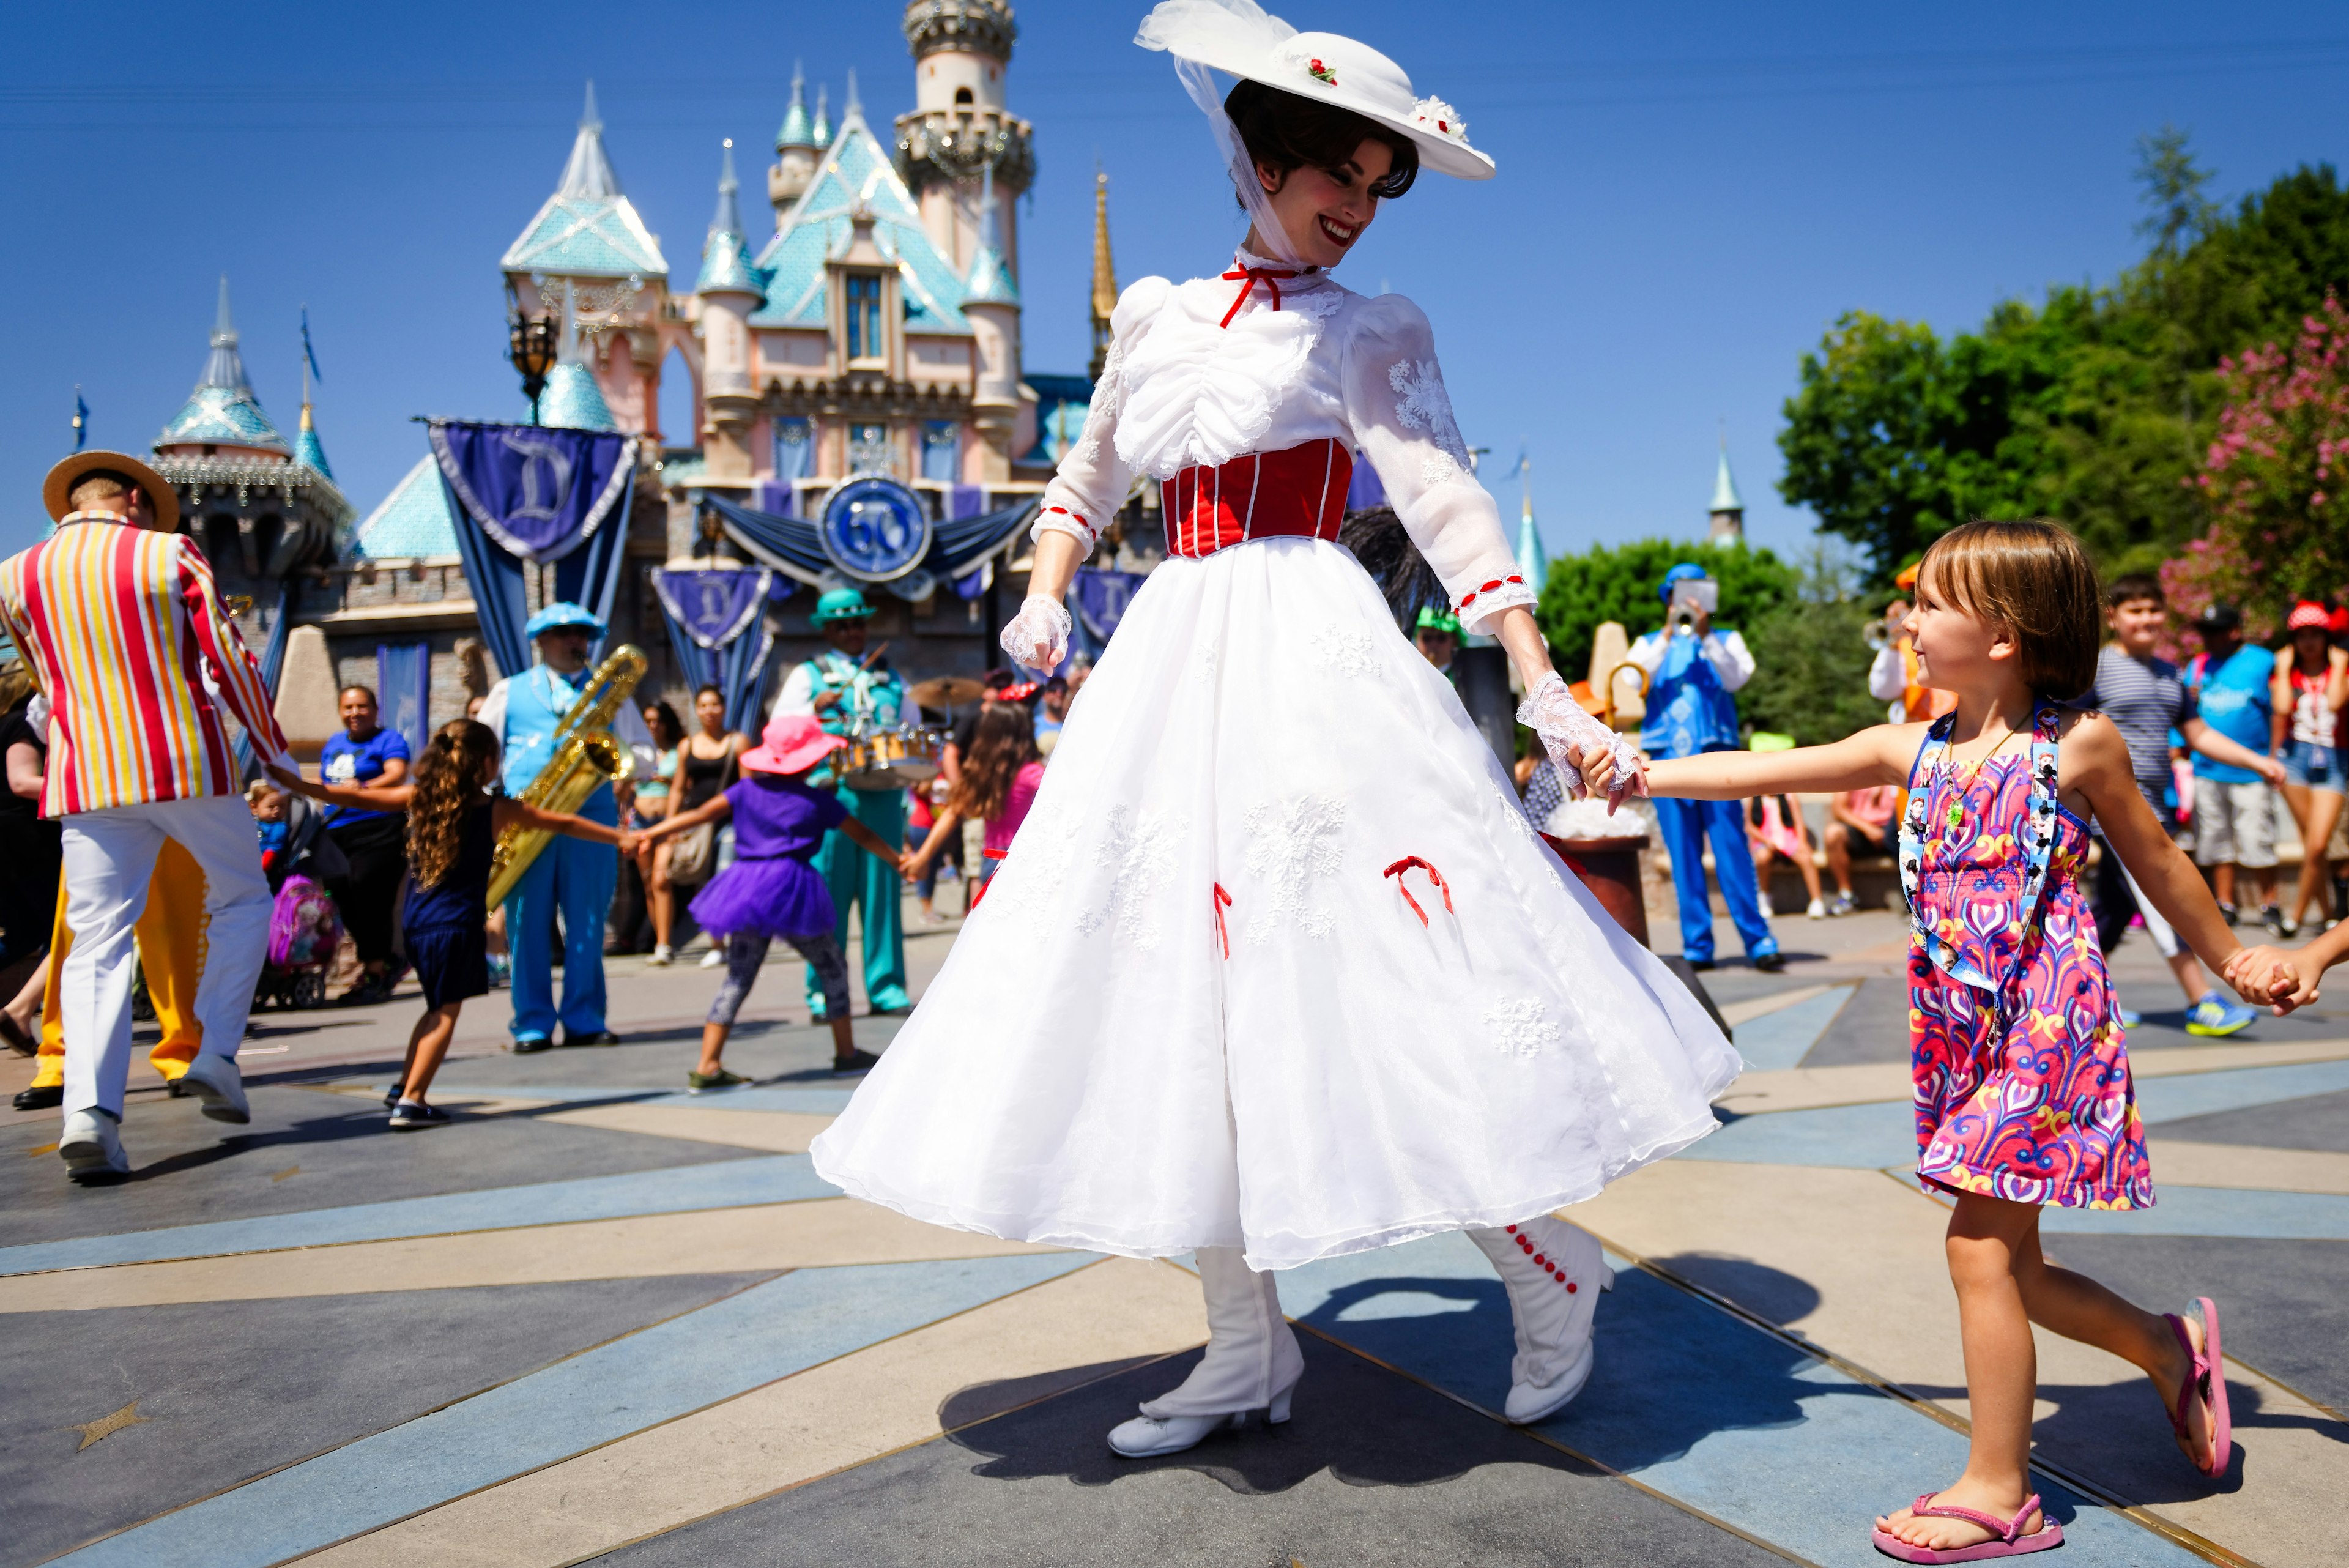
x=871, y=323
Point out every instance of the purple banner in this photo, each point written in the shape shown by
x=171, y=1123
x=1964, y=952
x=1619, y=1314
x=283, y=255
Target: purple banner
x=539, y=491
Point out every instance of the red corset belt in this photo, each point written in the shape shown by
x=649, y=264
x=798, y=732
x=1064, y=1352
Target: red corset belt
x=1298, y=492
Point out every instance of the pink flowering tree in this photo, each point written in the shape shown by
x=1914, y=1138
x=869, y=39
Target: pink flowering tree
x=2276, y=479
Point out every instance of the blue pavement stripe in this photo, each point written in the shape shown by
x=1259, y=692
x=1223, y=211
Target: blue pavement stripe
x=774, y=1098
x=768, y=1332
x=1858, y=1138
x=2202, y=1093
x=1782, y=1039
x=722, y=1184
x=1704, y=1408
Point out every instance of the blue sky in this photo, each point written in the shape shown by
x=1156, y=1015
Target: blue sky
x=1689, y=194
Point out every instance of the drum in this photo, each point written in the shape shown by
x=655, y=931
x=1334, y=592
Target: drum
x=891, y=759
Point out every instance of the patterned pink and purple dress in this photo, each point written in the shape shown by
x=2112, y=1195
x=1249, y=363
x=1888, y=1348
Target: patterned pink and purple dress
x=2021, y=1064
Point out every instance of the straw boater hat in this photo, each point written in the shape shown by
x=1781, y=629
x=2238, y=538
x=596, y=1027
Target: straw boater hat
x=57, y=490
x=1237, y=36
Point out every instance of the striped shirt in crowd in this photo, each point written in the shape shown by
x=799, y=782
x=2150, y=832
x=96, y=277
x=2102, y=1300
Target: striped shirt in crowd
x=124, y=631
x=2144, y=699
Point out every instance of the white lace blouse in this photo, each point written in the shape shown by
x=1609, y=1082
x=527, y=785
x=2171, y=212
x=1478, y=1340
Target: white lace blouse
x=1181, y=389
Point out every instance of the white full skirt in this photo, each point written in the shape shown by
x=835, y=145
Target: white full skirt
x=1091, y=1070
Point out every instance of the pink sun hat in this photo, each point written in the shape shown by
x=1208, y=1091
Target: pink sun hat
x=792, y=743
x=2308, y=613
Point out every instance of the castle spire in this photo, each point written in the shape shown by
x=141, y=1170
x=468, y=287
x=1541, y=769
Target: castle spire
x=588, y=174
x=989, y=280
x=223, y=409
x=725, y=254
x=1727, y=511
x=823, y=131
x=852, y=109
x=798, y=131
x=1104, y=300
x=1533, y=561
x=225, y=367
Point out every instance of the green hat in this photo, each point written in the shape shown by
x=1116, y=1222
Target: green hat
x=1443, y=621
x=840, y=604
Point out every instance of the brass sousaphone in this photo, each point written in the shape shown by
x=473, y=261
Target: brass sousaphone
x=587, y=757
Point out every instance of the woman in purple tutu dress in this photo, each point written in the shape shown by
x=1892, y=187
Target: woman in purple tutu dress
x=773, y=891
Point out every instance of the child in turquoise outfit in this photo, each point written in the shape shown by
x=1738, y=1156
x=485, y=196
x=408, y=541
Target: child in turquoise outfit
x=2022, y=1092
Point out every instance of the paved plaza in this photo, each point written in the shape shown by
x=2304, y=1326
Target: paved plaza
x=598, y=1319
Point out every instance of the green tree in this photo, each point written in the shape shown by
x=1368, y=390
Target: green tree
x=1619, y=583
x=1811, y=657
x=2094, y=406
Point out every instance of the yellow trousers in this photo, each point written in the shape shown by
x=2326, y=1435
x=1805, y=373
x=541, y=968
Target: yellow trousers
x=170, y=941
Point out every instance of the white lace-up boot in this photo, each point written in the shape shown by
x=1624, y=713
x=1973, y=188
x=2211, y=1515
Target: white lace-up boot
x=1252, y=1364
x=1554, y=1272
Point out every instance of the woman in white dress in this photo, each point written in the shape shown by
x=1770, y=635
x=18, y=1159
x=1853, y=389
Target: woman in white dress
x=1275, y=970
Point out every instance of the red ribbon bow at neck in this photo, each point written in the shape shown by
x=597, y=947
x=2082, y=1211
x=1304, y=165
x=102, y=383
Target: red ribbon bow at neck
x=1268, y=277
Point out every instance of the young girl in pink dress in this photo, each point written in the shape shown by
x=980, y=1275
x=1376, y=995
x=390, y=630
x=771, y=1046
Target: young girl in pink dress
x=2023, y=1090
x=1277, y=971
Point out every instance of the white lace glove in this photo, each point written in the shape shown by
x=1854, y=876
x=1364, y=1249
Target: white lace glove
x=1038, y=636
x=1608, y=762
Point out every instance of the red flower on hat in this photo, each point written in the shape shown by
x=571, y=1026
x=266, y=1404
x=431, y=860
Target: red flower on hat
x=1321, y=73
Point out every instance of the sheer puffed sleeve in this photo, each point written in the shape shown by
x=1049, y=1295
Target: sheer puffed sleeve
x=1091, y=482
x=1401, y=419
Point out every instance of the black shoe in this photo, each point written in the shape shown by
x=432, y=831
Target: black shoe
x=1701, y=965
x=409, y=1115
x=854, y=1062
x=1770, y=963
x=600, y=1038
x=42, y=1097
x=2229, y=913
x=2272, y=918
x=531, y=1045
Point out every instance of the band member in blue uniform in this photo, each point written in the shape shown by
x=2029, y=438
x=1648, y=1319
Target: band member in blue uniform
x=571, y=875
x=1692, y=668
x=850, y=693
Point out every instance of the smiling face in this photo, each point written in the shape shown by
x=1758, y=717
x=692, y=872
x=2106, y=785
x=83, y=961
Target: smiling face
x=1956, y=648
x=2137, y=625
x=358, y=713
x=710, y=709
x=1325, y=211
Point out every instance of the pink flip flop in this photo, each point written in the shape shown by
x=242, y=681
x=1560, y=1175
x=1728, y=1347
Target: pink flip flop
x=2011, y=1541
x=2206, y=1380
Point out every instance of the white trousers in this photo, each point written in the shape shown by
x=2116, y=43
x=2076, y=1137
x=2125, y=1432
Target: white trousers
x=109, y=855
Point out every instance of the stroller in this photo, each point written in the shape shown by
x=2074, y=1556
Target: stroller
x=305, y=927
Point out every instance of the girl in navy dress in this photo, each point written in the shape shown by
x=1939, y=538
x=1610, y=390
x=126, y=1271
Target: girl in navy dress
x=453, y=822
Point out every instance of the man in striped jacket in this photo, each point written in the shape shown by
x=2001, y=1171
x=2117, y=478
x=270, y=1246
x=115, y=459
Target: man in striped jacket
x=117, y=617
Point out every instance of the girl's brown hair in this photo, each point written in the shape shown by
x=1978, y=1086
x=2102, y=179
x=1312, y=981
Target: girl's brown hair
x=1004, y=743
x=2034, y=579
x=449, y=780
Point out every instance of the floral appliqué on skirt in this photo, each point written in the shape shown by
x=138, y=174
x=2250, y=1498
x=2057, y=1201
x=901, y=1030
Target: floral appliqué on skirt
x=2033, y=1103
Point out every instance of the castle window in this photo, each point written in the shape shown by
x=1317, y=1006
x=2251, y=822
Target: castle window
x=870, y=449
x=942, y=451
x=794, y=451
x=962, y=97
x=864, y=301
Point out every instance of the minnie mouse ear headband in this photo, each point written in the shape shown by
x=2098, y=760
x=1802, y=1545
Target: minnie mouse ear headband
x=1237, y=37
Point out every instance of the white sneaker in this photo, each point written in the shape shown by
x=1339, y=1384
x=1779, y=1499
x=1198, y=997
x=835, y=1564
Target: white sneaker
x=714, y=958
x=1147, y=1437
x=1554, y=1272
x=1767, y=912
x=91, y=1144
x=660, y=956
x=215, y=1081
x=1817, y=911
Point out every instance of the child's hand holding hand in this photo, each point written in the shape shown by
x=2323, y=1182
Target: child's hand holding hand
x=2266, y=976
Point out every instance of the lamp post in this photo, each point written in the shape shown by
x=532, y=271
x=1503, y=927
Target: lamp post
x=531, y=347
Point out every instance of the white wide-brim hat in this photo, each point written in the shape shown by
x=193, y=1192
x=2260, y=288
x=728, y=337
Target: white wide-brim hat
x=1238, y=38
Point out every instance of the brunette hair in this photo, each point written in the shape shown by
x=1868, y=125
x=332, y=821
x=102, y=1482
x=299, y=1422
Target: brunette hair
x=669, y=730
x=2131, y=586
x=2034, y=579
x=1290, y=132
x=449, y=779
x=367, y=692
x=1004, y=743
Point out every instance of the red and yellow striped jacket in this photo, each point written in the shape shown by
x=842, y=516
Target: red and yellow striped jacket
x=123, y=631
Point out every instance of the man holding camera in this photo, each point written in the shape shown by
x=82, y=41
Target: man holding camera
x=1691, y=669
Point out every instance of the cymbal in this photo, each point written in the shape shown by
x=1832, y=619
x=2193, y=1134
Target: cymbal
x=946, y=692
